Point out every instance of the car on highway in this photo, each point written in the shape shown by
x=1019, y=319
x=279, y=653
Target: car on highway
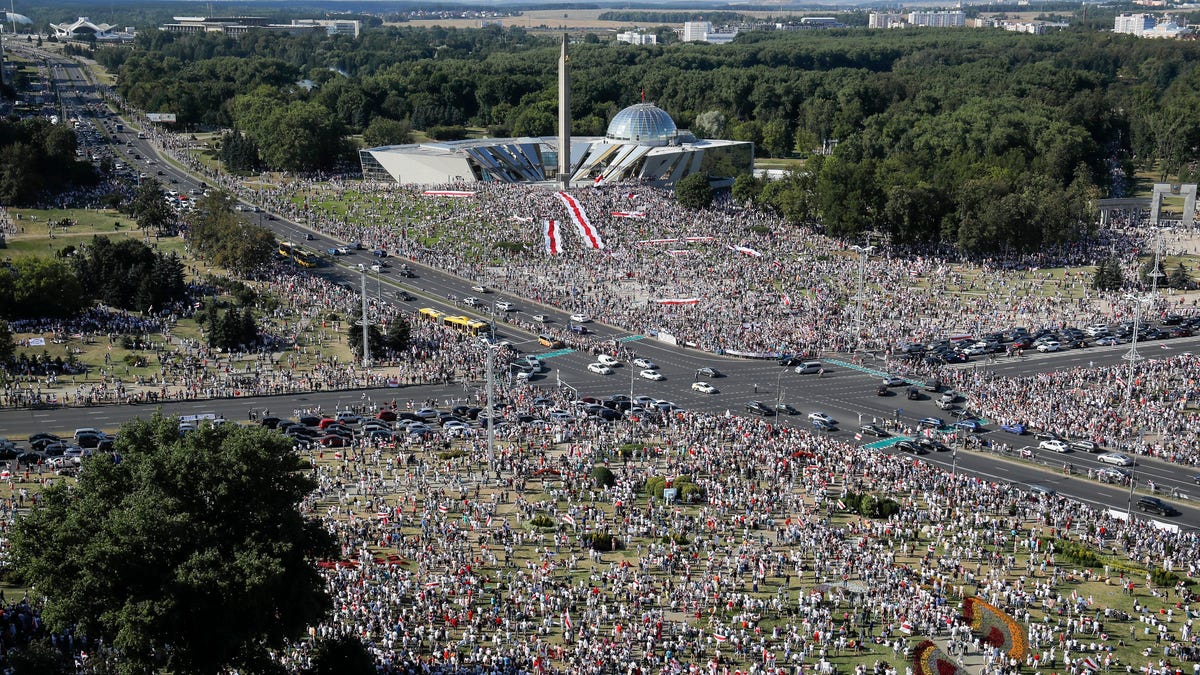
x=471, y=301
x=1111, y=474
x=893, y=381
x=1108, y=341
x=645, y=363
x=1037, y=489
x=873, y=430
x=581, y=318
x=1056, y=446
x=973, y=426
x=708, y=371
x=608, y=360
x=931, y=423
x=648, y=374
x=932, y=445
x=791, y=361
x=505, y=306
x=704, y=388
x=789, y=410
x=1085, y=445
x=1013, y=428
x=1115, y=459
x=759, y=408
x=405, y=296
x=913, y=394
x=821, y=417
x=910, y=446
x=379, y=253
x=541, y=318
x=377, y=268
x=1155, y=505
x=600, y=369
x=480, y=288
x=1049, y=346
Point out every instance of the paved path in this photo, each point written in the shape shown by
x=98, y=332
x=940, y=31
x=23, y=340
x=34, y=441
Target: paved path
x=973, y=661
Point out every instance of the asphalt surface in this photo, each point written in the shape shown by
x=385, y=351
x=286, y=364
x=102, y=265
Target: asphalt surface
x=845, y=392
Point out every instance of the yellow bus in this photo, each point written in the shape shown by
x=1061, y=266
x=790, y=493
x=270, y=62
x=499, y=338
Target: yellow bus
x=304, y=258
x=466, y=324
x=285, y=249
x=430, y=314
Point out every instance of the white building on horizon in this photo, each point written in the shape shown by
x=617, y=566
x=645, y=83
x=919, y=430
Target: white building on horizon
x=635, y=38
x=1150, y=26
x=953, y=19
x=880, y=20
x=702, y=31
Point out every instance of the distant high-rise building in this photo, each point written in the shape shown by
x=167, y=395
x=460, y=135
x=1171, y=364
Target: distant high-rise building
x=938, y=19
x=702, y=31
x=1133, y=24
x=634, y=38
x=877, y=20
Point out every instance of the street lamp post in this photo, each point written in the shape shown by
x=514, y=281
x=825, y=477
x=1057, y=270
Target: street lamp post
x=779, y=388
x=863, y=253
x=1133, y=357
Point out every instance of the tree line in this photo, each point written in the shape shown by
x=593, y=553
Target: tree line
x=125, y=274
x=38, y=158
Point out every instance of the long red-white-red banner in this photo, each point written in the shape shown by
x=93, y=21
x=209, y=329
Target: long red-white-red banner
x=675, y=240
x=591, y=238
x=678, y=301
x=629, y=214
x=550, y=233
x=448, y=193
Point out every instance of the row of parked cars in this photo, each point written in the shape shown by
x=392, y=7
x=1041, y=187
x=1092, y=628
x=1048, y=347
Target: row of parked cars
x=55, y=451
x=961, y=348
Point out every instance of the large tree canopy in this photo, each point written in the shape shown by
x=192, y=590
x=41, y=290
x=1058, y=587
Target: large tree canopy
x=187, y=554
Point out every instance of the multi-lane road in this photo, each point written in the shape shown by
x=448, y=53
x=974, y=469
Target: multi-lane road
x=846, y=391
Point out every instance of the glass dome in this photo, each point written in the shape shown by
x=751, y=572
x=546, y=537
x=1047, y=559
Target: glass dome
x=642, y=123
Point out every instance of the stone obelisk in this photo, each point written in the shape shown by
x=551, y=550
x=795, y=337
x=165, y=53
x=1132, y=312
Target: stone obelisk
x=564, y=117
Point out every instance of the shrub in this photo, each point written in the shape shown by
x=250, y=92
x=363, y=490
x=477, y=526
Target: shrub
x=599, y=541
x=452, y=454
x=603, y=477
x=541, y=520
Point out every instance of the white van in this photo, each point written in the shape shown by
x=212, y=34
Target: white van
x=809, y=367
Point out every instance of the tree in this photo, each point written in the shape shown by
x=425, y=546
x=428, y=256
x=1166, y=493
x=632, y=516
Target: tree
x=1180, y=279
x=694, y=192
x=398, y=335
x=386, y=131
x=710, y=124
x=151, y=211
x=1108, y=276
x=343, y=655
x=746, y=188
x=44, y=287
x=374, y=338
x=186, y=554
x=7, y=346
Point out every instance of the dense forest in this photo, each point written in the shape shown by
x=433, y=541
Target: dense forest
x=37, y=156
x=975, y=137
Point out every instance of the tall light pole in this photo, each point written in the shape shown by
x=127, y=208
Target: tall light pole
x=365, y=321
x=863, y=253
x=491, y=405
x=1133, y=357
x=779, y=388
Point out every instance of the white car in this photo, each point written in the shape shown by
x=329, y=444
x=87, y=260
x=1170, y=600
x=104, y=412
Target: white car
x=704, y=388
x=480, y=289
x=651, y=375
x=471, y=300
x=1115, y=458
x=608, y=360
x=1056, y=446
x=645, y=363
x=1051, y=346
x=505, y=306
x=600, y=369
x=343, y=250
x=581, y=318
x=376, y=268
x=821, y=417
x=541, y=318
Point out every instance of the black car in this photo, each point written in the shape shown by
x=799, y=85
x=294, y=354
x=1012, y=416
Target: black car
x=882, y=390
x=708, y=371
x=787, y=409
x=1155, y=505
x=932, y=445
x=792, y=361
x=759, y=408
x=873, y=430
x=913, y=394
x=910, y=446
x=1046, y=435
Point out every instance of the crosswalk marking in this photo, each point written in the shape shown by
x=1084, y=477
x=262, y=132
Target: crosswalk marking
x=868, y=371
x=886, y=442
x=558, y=352
x=631, y=338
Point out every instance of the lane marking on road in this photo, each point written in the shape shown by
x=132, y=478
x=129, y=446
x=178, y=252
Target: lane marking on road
x=868, y=371
x=886, y=443
x=631, y=338
x=560, y=352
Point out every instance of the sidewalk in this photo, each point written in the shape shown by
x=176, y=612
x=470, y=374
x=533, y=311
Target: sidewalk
x=973, y=661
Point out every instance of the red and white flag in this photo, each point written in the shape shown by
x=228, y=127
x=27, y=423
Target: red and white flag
x=1090, y=664
x=443, y=509
x=787, y=300
x=657, y=241
x=629, y=214
x=566, y=518
x=746, y=251
x=591, y=238
x=720, y=638
x=841, y=505
x=567, y=619
x=906, y=628
x=858, y=437
x=551, y=235
x=698, y=238
x=677, y=301
x=432, y=584
x=449, y=193
x=489, y=522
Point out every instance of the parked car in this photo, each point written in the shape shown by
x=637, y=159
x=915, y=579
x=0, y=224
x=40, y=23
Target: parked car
x=1111, y=474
